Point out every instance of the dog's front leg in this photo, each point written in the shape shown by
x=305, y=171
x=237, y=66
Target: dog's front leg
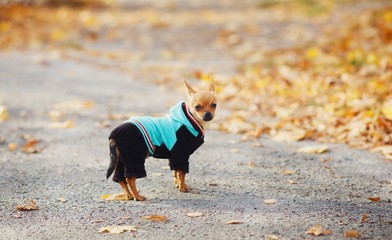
x=132, y=184
x=175, y=179
x=181, y=181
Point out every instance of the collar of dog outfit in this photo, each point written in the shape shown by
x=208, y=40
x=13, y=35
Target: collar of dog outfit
x=192, y=119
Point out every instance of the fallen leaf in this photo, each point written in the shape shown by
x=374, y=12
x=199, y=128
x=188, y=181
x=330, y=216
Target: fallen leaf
x=387, y=109
x=251, y=164
x=118, y=229
x=28, y=207
x=115, y=197
x=318, y=230
x=234, y=150
x=74, y=105
x=62, y=125
x=155, y=218
x=56, y=115
x=30, y=146
x=289, y=136
x=351, y=234
x=386, y=150
x=313, y=149
x=374, y=199
x=288, y=172
x=4, y=115
x=271, y=237
x=364, y=217
x=194, y=214
x=291, y=181
x=234, y=222
x=12, y=147
x=270, y=201
x=98, y=221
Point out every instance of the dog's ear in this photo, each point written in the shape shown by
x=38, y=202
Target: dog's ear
x=189, y=91
x=212, y=86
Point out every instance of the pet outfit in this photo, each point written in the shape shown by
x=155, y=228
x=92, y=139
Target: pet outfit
x=175, y=137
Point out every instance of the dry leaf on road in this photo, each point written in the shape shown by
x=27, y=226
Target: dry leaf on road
x=155, y=218
x=115, y=197
x=194, y=214
x=4, y=115
x=62, y=125
x=288, y=172
x=364, y=217
x=234, y=222
x=318, y=230
x=313, y=149
x=28, y=207
x=374, y=199
x=289, y=136
x=118, y=229
x=30, y=146
x=351, y=234
x=12, y=147
x=270, y=201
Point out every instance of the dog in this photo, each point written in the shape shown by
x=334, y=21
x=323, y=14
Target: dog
x=174, y=137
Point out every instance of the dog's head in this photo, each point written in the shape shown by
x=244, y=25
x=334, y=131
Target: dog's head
x=201, y=104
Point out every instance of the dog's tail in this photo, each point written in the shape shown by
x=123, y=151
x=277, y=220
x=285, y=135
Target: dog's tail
x=113, y=158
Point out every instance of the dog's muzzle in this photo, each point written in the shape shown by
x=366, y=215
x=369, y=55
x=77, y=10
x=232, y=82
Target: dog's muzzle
x=207, y=116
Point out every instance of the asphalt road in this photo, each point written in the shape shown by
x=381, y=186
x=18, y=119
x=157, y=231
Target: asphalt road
x=230, y=178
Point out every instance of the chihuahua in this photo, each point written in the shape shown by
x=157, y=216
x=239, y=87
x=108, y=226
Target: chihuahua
x=174, y=137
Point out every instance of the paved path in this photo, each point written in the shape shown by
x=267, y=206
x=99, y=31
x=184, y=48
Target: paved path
x=231, y=179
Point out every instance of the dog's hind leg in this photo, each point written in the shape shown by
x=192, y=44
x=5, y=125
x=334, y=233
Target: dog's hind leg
x=125, y=188
x=132, y=184
x=181, y=181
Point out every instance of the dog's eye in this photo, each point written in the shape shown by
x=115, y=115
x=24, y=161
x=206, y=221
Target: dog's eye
x=213, y=105
x=198, y=107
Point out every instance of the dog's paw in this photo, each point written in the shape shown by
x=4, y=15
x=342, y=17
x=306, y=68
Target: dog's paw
x=176, y=183
x=140, y=198
x=184, y=188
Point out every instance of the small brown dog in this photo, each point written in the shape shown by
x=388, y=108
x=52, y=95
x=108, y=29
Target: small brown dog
x=174, y=137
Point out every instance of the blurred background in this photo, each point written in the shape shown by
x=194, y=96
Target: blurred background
x=312, y=69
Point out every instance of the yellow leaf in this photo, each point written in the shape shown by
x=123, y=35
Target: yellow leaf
x=117, y=229
x=12, y=147
x=4, y=115
x=271, y=237
x=62, y=125
x=57, y=34
x=28, y=207
x=387, y=109
x=312, y=53
x=318, y=230
x=155, y=218
x=115, y=197
x=289, y=136
x=313, y=149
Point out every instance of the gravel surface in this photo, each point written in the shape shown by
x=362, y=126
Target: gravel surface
x=230, y=178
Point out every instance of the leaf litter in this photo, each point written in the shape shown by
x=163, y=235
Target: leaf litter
x=31, y=205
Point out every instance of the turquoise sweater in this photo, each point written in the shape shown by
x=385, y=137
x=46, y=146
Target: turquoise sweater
x=159, y=131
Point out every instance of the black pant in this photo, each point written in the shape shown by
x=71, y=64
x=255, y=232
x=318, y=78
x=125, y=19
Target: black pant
x=133, y=152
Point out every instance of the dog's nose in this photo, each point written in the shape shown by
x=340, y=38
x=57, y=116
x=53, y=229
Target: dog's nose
x=207, y=116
